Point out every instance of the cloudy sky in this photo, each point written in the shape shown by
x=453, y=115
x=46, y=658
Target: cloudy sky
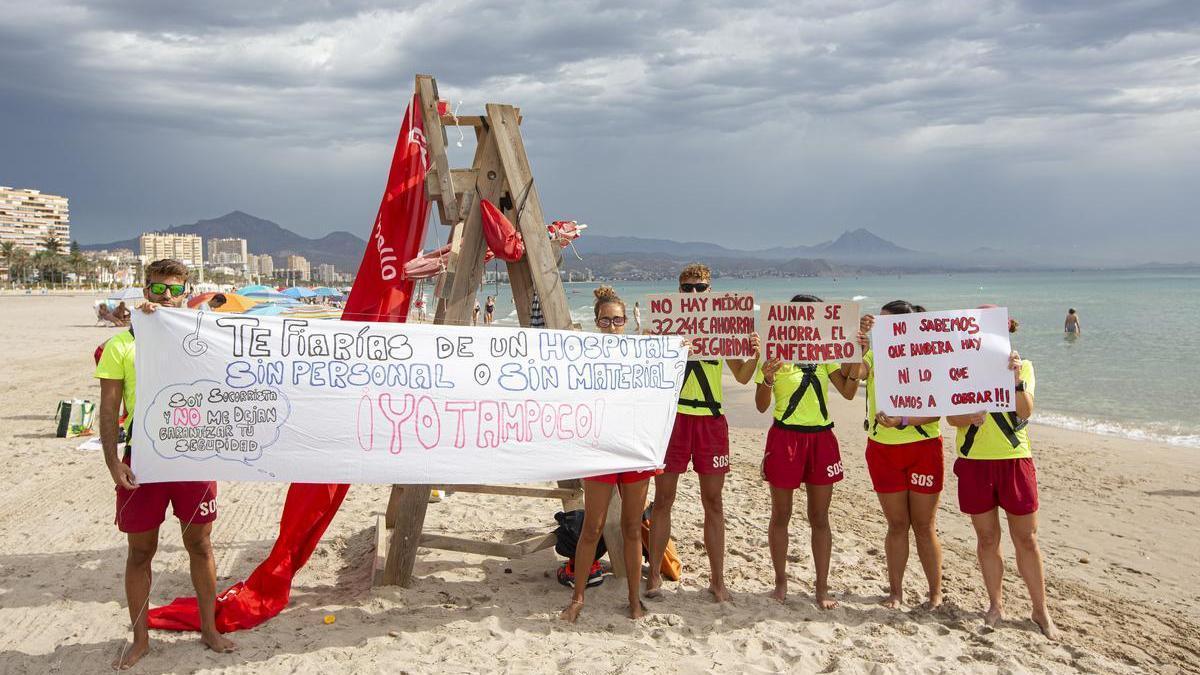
x=1069, y=125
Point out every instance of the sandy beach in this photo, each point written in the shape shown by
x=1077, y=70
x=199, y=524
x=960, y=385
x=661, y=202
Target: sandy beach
x=1118, y=529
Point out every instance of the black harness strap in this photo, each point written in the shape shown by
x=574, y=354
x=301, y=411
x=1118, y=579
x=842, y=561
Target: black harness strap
x=710, y=401
x=1009, y=426
x=810, y=379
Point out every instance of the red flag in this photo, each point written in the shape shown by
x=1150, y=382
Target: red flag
x=380, y=293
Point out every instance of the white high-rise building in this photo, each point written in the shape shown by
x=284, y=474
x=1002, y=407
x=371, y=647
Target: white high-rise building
x=185, y=248
x=29, y=217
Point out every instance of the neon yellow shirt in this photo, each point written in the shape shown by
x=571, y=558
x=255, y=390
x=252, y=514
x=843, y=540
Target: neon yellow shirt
x=989, y=440
x=886, y=435
x=692, y=391
x=116, y=363
x=808, y=411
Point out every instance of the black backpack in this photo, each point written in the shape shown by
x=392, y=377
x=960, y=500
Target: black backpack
x=570, y=524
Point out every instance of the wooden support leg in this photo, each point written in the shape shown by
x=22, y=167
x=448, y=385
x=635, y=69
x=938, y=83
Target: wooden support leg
x=410, y=518
x=393, y=507
x=612, y=535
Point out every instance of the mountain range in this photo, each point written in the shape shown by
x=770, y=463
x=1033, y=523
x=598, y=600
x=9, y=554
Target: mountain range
x=340, y=249
x=622, y=257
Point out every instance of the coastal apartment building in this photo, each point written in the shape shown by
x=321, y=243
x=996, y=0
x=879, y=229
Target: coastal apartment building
x=185, y=248
x=326, y=273
x=29, y=217
x=299, y=267
x=260, y=265
x=229, y=251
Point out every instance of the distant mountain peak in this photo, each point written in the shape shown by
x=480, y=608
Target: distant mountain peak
x=860, y=241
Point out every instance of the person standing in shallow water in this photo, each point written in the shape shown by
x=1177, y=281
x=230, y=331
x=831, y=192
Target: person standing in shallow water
x=597, y=493
x=1071, y=325
x=995, y=471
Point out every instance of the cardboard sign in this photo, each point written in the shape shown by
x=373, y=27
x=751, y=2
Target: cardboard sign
x=718, y=325
x=811, y=332
x=943, y=363
x=230, y=397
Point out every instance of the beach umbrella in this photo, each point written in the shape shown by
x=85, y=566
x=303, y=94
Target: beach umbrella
x=298, y=292
x=236, y=304
x=266, y=309
x=326, y=292
x=254, y=288
x=127, y=294
x=201, y=299
x=270, y=295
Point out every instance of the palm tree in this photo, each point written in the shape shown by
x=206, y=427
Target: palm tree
x=53, y=243
x=8, y=251
x=79, y=264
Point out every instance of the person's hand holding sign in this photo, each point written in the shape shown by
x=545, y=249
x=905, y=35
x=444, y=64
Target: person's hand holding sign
x=123, y=476
x=1014, y=364
x=887, y=421
x=865, y=323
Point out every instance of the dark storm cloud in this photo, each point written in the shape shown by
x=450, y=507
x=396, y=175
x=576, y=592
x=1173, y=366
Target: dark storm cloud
x=939, y=122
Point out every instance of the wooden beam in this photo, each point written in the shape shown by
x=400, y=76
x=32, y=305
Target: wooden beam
x=435, y=144
x=468, y=267
x=462, y=179
x=402, y=550
x=535, y=544
x=543, y=257
x=393, y=506
x=476, y=121
x=514, y=491
x=497, y=549
x=380, y=561
x=613, y=539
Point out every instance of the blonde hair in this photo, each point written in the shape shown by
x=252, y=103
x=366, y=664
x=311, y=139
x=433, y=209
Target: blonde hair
x=696, y=271
x=605, y=295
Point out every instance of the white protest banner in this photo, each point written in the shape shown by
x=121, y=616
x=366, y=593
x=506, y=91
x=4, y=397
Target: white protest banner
x=718, y=325
x=943, y=363
x=230, y=397
x=811, y=332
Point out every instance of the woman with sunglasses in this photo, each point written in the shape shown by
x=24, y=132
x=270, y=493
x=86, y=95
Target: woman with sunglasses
x=904, y=458
x=802, y=450
x=597, y=493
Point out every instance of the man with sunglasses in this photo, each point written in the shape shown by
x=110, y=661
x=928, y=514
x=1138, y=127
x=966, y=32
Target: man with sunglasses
x=701, y=437
x=141, y=509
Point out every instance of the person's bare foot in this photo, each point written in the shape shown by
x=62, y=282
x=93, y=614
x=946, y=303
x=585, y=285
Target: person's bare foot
x=571, y=613
x=994, y=615
x=218, y=643
x=653, y=588
x=894, y=600
x=131, y=654
x=1043, y=621
x=824, y=600
x=720, y=593
x=780, y=593
x=934, y=601
x=636, y=610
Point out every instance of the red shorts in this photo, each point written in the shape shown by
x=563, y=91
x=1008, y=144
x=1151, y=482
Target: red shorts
x=701, y=439
x=625, y=477
x=145, y=508
x=916, y=466
x=795, y=457
x=984, y=484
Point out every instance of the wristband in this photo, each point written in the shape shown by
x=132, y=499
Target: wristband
x=903, y=421
x=1021, y=385
x=768, y=383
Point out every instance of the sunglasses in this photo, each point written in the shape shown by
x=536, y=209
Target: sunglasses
x=605, y=322
x=159, y=288
x=693, y=288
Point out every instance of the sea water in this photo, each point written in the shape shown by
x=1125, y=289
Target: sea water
x=1134, y=372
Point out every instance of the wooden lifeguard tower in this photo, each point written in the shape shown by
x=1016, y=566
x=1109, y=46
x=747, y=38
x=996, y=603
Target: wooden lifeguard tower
x=499, y=173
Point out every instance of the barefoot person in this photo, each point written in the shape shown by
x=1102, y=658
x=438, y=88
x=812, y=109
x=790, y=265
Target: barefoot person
x=701, y=437
x=904, y=458
x=802, y=450
x=597, y=493
x=995, y=471
x=142, y=508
